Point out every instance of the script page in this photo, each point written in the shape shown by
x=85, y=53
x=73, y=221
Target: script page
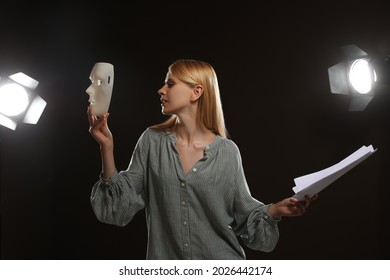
x=313, y=183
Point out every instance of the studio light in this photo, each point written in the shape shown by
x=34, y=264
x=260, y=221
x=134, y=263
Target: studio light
x=18, y=101
x=358, y=75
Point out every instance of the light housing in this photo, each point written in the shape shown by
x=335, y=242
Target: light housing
x=18, y=101
x=356, y=75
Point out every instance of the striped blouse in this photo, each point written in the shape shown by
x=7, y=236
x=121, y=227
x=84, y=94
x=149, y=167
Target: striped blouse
x=197, y=216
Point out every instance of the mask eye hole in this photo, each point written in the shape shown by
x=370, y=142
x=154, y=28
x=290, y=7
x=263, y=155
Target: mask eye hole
x=94, y=80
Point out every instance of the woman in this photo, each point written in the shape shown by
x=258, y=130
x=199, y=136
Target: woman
x=188, y=176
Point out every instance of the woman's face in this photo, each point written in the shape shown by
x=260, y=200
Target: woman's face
x=175, y=95
x=100, y=90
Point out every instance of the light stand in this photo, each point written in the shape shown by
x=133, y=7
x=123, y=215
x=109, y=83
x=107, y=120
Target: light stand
x=18, y=103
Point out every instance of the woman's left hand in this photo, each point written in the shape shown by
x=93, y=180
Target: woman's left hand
x=290, y=207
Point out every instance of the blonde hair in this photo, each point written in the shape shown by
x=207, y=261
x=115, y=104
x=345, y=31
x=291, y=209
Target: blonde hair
x=209, y=112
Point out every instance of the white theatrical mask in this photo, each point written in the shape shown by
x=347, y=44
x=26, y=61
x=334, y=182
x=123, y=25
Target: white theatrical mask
x=100, y=90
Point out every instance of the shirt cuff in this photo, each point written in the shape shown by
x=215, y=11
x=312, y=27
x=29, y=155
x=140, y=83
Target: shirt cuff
x=107, y=181
x=268, y=218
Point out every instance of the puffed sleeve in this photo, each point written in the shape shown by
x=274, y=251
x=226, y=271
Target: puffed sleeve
x=257, y=229
x=116, y=200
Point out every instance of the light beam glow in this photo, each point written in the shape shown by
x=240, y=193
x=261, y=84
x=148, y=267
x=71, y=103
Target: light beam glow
x=360, y=76
x=13, y=99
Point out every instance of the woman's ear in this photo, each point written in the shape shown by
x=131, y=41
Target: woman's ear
x=197, y=92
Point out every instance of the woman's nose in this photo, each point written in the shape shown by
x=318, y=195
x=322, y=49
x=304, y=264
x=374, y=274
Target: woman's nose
x=161, y=91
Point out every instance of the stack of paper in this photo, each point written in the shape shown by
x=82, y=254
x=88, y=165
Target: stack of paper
x=313, y=183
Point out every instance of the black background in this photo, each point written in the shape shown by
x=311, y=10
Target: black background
x=271, y=60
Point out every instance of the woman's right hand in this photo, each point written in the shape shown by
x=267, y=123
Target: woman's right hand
x=99, y=130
